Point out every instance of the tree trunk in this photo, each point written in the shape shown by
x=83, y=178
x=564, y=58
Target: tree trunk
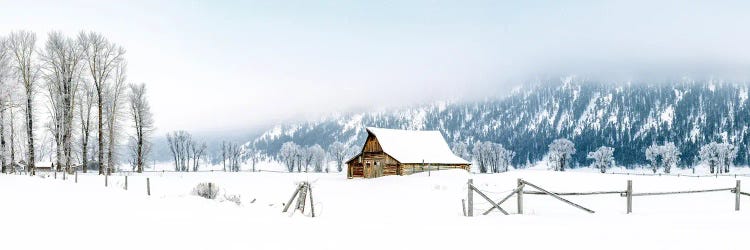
x=30, y=132
x=85, y=149
x=12, y=138
x=139, y=157
x=67, y=130
x=58, y=144
x=100, y=130
x=562, y=163
x=2, y=140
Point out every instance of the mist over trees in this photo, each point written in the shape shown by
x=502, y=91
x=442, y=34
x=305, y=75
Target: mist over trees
x=66, y=75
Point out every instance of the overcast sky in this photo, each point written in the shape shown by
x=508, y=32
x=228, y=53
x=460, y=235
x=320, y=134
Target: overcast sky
x=222, y=65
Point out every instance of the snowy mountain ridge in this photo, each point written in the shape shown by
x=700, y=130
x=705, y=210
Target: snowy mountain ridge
x=628, y=117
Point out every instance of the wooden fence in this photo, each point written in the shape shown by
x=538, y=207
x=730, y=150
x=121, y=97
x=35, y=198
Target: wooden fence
x=715, y=175
x=628, y=193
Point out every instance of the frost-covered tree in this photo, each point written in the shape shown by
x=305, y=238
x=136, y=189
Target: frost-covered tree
x=197, y=149
x=560, y=152
x=253, y=156
x=653, y=155
x=664, y=156
x=709, y=155
x=338, y=152
x=143, y=124
x=85, y=104
x=482, y=154
x=727, y=153
x=670, y=156
x=21, y=45
x=115, y=93
x=234, y=155
x=6, y=90
x=179, y=145
x=288, y=155
x=501, y=158
x=101, y=58
x=461, y=149
x=4, y=100
x=603, y=158
x=317, y=157
x=492, y=157
x=62, y=59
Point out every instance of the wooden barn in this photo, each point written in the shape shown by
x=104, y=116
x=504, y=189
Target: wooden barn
x=403, y=152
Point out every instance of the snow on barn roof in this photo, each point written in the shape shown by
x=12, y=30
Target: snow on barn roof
x=408, y=146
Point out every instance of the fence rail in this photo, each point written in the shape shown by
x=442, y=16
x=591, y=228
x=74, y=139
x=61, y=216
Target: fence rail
x=682, y=175
x=628, y=193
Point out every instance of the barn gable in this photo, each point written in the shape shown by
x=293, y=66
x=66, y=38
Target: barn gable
x=415, y=146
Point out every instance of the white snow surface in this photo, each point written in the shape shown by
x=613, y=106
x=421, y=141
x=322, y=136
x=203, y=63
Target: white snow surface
x=421, y=211
x=412, y=146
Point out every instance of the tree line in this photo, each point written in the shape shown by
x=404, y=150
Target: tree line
x=494, y=158
x=69, y=76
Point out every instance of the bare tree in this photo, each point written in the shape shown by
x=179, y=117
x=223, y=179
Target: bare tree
x=224, y=155
x=305, y=157
x=143, y=123
x=179, y=144
x=252, y=155
x=288, y=154
x=338, y=152
x=231, y=154
x=317, y=157
x=198, y=150
x=85, y=104
x=113, y=113
x=4, y=99
x=22, y=46
x=102, y=57
x=62, y=58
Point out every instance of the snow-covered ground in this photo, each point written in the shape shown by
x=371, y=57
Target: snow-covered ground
x=396, y=212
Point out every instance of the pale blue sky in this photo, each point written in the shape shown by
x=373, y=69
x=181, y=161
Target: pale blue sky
x=213, y=65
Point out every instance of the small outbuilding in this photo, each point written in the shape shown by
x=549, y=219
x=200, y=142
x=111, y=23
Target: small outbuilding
x=403, y=152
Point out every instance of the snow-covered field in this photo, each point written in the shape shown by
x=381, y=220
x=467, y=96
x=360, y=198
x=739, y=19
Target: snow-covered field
x=397, y=212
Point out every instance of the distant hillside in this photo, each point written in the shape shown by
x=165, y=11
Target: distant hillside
x=628, y=117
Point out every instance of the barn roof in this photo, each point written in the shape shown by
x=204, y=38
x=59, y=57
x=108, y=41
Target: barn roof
x=408, y=146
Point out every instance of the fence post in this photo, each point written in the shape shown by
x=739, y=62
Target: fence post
x=737, y=196
x=629, y=194
x=463, y=205
x=520, y=196
x=470, y=197
x=64, y=172
x=312, y=205
x=105, y=180
x=148, y=187
x=76, y=176
x=55, y=175
x=126, y=182
x=209, y=191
